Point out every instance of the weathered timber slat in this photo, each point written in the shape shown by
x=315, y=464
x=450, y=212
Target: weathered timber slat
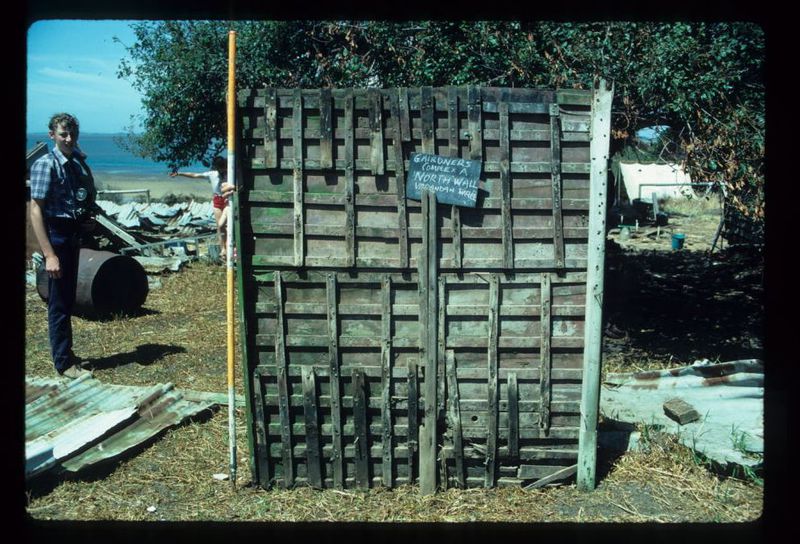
x=454, y=417
x=453, y=310
x=513, y=415
x=313, y=464
x=286, y=429
x=572, y=283
x=386, y=378
x=361, y=443
x=475, y=263
x=376, y=130
x=494, y=396
x=545, y=355
x=426, y=115
x=413, y=418
x=262, y=440
x=400, y=176
x=283, y=392
x=405, y=114
x=349, y=181
x=441, y=335
x=270, y=134
x=333, y=199
x=335, y=381
x=428, y=342
x=555, y=161
x=297, y=142
x=488, y=166
x=505, y=183
x=325, y=129
x=474, y=449
x=474, y=119
x=404, y=342
x=468, y=233
x=570, y=132
x=453, y=151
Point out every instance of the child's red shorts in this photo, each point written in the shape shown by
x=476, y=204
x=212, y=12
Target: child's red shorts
x=220, y=202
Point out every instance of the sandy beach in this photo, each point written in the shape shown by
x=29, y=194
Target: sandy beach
x=199, y=189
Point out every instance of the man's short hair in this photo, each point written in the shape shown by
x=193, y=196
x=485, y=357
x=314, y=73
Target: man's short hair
x=69, y=122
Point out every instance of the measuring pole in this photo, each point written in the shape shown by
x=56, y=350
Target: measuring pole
x=229, y=249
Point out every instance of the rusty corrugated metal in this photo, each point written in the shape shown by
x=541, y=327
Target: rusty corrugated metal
x=73, y=424
x=729, y=397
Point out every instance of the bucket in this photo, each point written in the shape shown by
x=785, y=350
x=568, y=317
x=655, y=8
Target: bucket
x=677, y=240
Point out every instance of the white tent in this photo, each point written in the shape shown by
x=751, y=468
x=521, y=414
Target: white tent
x=643, y=180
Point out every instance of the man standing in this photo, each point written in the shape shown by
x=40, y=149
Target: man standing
x=62, y=190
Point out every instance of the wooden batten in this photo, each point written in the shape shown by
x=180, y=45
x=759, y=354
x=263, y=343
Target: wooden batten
x=513, y=416
x=376, y=131
x=262, y=438
x=545, y=354
x=400, y=175
x=555, y=172
x=297, y=143
x=494, y=394
x=311, y=419
x=386, y=380
x=361, y=440
x=505, y=185
x=454, y=151
x=283, y=387
x=337, y=459
x=325, y=129
x=412, y=444
x=271, y=129
x=349, y=179
x=454, y=418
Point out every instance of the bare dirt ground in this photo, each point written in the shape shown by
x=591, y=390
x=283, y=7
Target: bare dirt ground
x=664, y=308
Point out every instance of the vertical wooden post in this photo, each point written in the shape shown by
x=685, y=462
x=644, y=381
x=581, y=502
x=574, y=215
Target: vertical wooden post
x=452, y=122
x=313, y=451
x=337, y=459
x=590, y=390
x=427, y=276
x=361, y=443
x=513, y=416
x=505, y=185
x=262, y=436
x=400, y=176
x=474, y=109
x=413, y=418
x=454, y=417
x=545, y=354
x=386, y=378
x=283, y=388
x=271, y=128
x=325, y=129
x=349, y=178
x=376, y=131
x=555, y=171
x=493, y=398
x=297, y=143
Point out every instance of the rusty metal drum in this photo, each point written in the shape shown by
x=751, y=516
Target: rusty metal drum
x=108, y=284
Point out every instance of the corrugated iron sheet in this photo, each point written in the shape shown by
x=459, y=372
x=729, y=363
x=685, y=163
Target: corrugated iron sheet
x=728, y=396
x=73, y=424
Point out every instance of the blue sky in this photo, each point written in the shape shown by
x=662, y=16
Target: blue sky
x=72, y=67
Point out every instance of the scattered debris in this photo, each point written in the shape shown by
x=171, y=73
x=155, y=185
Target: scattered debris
x=220, y=476
x=728, y=397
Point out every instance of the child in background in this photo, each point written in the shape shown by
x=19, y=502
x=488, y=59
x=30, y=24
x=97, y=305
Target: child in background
x=220, y=190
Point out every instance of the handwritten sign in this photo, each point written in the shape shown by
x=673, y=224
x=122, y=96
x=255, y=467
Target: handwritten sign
x=453, y=180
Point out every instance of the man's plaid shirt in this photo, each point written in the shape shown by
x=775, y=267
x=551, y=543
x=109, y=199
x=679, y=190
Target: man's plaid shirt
x=54, y=179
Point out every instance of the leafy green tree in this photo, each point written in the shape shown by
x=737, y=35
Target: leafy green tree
x=705, y=81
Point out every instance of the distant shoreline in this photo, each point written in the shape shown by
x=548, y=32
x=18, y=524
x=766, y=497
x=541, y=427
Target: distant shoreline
x=158, y=186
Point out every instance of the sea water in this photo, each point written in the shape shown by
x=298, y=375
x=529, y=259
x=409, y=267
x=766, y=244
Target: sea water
x=108, y=160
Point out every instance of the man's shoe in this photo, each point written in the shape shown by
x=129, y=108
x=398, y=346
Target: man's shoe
x=75, y=372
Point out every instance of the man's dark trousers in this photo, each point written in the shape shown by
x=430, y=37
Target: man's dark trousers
x=61, y=294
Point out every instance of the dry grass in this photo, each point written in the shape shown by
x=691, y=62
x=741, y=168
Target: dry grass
x=180, y=338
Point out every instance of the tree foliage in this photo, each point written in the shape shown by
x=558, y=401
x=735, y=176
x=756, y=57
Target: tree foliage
x=705, y=81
